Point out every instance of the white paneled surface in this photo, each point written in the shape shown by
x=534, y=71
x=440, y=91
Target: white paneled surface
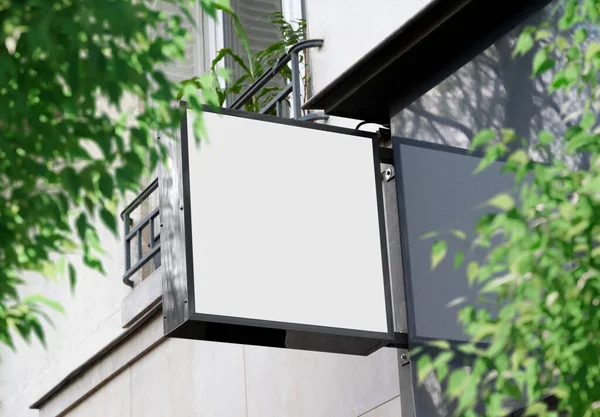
x=285, y=226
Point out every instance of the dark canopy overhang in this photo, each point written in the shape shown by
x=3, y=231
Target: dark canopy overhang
x=437, y=41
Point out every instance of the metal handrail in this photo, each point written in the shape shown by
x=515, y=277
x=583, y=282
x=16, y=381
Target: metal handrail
x=130, y=234
x=292, y=88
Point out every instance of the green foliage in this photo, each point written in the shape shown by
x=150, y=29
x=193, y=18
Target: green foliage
x=253, y=65
x=65, y=158
x=545, y=269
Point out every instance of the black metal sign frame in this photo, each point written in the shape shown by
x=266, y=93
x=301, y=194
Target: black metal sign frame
x=180, y=315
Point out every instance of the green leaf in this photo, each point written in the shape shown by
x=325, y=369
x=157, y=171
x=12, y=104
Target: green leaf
x=440, y=344
x=581, y=140
x=82, y=226
x=424, y=368
x=545, y=137
x=438, y=253
x=105, y=184
x=429, y=235
x=542, y=34
x=508, y=135
x=482, y=138
x=542, y=63
x=588, y=120
x=562, y=43
x=240, y=32
x=569, y=14
x=472, y=271
x=502, y=201
x=592, y=51
x=459, y=234
x=109, y=219
x=39, y=332
x=229, y=52
x=524, y=44
x=494, y=284
x=536, y=409
x=467, y=348
x=459, y=259
x=440, y=364
x=581, y=35
x=519, y=157
x=36, y=299
x=72, y=278
x=456, y=382
x=492, y=154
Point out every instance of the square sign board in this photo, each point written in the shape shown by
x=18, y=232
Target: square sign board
x=274, y=235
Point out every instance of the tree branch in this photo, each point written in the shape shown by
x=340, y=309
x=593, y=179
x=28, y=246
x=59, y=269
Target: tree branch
x=442, y=120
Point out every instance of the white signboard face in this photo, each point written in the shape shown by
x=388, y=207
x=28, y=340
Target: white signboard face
x=285, y=225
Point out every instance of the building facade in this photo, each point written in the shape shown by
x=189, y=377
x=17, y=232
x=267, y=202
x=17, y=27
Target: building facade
x=108, y=355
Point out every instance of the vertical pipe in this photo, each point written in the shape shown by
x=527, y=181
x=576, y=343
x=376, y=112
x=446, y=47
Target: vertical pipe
x=278, y=109
x=127, y=243
x=296, y=104
x=151, y=232
x=139, y=242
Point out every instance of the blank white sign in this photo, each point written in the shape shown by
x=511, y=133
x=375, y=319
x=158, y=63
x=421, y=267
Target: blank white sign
x=285, y=225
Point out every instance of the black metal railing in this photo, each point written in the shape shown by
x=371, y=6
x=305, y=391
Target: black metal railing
x=292, y=58
x=136, y=233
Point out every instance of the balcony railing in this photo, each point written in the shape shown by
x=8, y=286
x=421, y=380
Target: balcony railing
x=136, y=232
x=294, y=88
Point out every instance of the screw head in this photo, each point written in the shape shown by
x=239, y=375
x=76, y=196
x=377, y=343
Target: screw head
x=389, y=174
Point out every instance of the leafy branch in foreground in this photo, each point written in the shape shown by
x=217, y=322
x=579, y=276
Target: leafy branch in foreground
x=545, y=271
x=81, y=93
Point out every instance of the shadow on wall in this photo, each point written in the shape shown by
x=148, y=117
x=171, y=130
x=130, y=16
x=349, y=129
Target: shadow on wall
x=495, y=90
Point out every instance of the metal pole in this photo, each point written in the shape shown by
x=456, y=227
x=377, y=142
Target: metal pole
x=296, y=103
x=405, y=367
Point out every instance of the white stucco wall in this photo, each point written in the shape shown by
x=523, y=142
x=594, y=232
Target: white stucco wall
x=91, y=321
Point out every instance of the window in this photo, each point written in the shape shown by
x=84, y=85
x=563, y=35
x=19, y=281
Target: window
x=261, y=32
x=253, y=15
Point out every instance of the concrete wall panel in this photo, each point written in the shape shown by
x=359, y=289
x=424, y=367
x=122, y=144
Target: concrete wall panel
x=287, y=383
x=113, y=400
x=189, y=378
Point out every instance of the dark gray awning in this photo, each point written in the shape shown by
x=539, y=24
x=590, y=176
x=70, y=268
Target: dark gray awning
x=437, y=41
